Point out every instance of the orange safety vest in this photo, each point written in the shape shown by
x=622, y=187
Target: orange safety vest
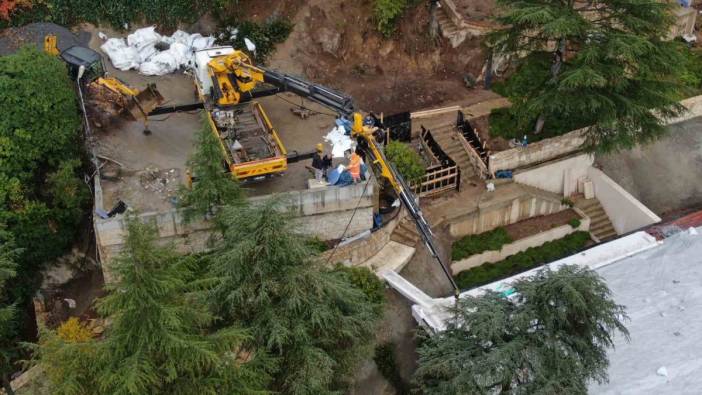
x=355, y=166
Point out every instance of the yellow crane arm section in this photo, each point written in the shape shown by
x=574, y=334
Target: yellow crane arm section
x=235, y=68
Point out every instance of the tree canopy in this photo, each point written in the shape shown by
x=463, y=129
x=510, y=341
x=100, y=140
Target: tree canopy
x=158, y=341
x=550, y=337
x=8, y=324
x=605, y=64
x=41, y=196
x=315, y=320
x=212, y=184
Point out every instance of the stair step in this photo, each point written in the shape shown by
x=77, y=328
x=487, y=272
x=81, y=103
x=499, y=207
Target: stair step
x=597, y=217
x=607, y=235
x=403, y=240
x=601, y=228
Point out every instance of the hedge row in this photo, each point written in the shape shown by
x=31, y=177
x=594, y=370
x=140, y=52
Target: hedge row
x=475, y=244
x=523, y=261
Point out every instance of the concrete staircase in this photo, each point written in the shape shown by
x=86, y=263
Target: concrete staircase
x=405, y=233
x=600, y=225
x=448, y=28
x=448, y=139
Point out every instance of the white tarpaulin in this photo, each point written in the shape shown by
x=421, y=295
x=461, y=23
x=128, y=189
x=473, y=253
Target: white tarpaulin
x=339, y=141
x=140, y=51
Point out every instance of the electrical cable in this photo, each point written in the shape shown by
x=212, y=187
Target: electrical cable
x=348, y=225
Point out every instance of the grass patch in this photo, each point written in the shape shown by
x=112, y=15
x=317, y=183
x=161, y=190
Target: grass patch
x=523, y=261
x=475, y=244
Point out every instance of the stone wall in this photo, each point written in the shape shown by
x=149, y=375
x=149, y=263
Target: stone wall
x=360, y=250
x=518, y=246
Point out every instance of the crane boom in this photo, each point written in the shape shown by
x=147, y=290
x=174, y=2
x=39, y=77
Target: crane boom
x=234, y=78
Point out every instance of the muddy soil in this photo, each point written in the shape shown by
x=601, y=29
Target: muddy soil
x=476, y=10
x=539, y=224
x=336, y=43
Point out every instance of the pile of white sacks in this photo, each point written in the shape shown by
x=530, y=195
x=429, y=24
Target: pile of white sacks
x=140, y=50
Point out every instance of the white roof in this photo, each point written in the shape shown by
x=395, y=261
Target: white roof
x=662, y=292
x=660, y=283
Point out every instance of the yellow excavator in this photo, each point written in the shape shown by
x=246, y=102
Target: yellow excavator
x=227, y=82
x=111, y=96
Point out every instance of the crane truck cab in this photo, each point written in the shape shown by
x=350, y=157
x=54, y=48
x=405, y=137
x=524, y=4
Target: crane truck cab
x=251, y=145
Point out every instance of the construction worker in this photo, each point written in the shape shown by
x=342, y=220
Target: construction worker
x=354, y=166
x=320, y=163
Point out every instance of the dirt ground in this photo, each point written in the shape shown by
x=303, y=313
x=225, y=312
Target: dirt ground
x=335, y=42
x=539, y=224
x=474, y=10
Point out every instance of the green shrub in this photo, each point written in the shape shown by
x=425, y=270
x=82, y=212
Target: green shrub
x=387, y=365
x=406, y=160
x=265, y=35
x=475, y=244
x=574, y=223
x=691, y=77
x=523, y=261
x=165, y=13
x=567, y=202
x=366, y=281
x=386, y=14
x=318, y=245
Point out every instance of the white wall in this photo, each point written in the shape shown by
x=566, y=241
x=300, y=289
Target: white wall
x=559, y=177
x=625, y=212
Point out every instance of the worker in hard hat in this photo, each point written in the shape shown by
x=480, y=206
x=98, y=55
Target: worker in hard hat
x=354, y=166
x=320, y=163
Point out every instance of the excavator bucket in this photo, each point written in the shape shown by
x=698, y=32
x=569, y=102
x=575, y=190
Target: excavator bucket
x=144, y=102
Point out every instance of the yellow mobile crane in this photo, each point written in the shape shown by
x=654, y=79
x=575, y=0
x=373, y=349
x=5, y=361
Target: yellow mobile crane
x=227, y=81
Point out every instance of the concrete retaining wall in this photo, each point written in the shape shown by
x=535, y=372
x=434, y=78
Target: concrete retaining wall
x=559, y=177
x=489, y=218
x=538, y=152
x=518, y=246
x=545, y=150
x=323, y=212
x=625, y=212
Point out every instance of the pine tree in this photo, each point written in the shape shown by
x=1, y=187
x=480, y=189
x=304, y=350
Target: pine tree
x=551, y=338
x=157, y=341
x=212, y=185
x=600, y=63
x=313, y=319
x=8, y=324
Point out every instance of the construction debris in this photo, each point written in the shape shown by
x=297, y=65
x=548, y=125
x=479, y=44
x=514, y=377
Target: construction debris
x=163, y=182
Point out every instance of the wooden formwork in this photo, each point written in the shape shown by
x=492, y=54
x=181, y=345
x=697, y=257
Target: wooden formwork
x=437, y=180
